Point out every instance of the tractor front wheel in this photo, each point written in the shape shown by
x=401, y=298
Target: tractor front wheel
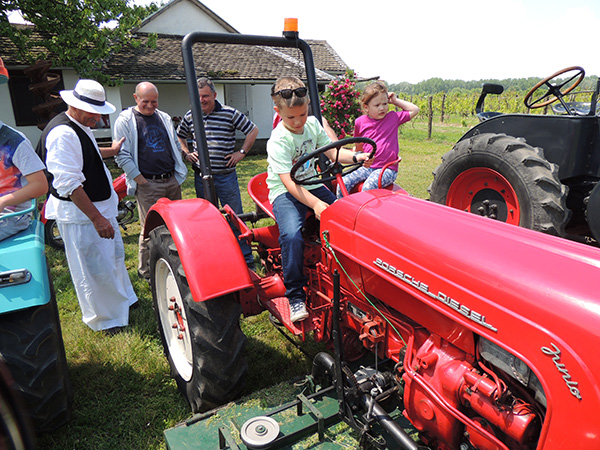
x=31, y=344
x=202, y=340
x=504, y=178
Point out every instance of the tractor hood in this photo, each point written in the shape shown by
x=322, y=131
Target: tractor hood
x=524, y=290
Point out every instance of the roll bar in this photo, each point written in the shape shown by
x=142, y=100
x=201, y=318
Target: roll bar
x=290, y=40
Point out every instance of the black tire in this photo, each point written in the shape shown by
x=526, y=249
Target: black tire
x=206, y=355
x=31, y=343
x=502, y=177
x=15, y=429
x=53, y=237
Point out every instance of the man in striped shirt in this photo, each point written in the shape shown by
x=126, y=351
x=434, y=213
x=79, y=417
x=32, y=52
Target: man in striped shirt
x=220, y=125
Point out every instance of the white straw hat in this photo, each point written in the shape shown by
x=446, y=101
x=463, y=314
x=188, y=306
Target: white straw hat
x=88, y=96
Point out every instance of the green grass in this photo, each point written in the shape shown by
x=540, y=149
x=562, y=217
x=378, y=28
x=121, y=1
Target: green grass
x=124, y=397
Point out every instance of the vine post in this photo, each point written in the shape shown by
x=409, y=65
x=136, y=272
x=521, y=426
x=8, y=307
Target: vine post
x=430, y=116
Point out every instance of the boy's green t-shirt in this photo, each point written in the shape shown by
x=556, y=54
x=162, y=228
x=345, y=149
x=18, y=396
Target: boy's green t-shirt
x=284, y=148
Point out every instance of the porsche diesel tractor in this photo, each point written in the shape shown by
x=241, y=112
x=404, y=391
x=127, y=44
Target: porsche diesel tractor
x=481, y=334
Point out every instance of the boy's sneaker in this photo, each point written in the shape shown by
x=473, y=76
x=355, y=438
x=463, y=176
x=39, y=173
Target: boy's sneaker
x=298, y=311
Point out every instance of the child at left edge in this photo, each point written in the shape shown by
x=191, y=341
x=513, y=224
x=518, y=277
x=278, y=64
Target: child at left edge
x=296, y=135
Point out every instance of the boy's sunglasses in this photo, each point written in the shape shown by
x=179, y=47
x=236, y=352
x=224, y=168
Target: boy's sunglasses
x=287, y=93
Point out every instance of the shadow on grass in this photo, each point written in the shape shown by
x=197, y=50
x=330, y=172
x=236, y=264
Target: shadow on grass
x=272, y=359
x=116, y=408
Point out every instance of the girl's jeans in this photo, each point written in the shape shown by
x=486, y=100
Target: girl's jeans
x=370, y=177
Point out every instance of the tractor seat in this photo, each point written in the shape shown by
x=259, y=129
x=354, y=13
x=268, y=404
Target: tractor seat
x=259, y=193
x=575, y=108
x=485, y=115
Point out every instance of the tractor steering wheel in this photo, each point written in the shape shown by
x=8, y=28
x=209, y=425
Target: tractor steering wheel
x=335, y=169
x=555, y=91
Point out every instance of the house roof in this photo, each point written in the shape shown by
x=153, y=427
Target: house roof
x=9, y=51
x=219, y=61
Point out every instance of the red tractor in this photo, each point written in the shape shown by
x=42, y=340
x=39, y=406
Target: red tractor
x=484, y=333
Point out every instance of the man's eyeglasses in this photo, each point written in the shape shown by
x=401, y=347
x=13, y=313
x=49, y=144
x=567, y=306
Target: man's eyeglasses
x=287, y=93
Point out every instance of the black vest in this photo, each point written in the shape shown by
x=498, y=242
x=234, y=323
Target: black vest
x=96, y=184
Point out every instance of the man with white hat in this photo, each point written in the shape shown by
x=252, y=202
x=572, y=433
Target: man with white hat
x=84, y=205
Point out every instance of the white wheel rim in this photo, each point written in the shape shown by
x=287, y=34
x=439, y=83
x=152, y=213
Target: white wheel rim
x=173, y=319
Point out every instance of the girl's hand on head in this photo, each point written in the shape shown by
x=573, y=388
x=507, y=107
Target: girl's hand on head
x=391, y=96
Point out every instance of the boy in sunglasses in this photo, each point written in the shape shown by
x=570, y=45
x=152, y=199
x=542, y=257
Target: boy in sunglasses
x=296, y=134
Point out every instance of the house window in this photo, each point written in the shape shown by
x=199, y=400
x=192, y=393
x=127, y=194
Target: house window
x=25, y=104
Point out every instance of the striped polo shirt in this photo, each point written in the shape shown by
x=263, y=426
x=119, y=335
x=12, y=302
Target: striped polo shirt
x=220, y=127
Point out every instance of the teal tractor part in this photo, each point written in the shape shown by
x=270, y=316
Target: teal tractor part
x=31, y=343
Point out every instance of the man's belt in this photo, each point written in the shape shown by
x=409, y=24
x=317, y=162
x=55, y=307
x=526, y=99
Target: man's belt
x=160, y=176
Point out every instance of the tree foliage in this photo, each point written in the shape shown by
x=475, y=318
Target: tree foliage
x=460, y=97
x=80, y=34
x=436, y=85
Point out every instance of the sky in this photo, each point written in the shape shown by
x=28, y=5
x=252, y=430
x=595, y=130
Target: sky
x=412, y=41
x=400, y=40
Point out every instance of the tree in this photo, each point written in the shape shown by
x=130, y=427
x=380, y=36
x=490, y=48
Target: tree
x=80, y=34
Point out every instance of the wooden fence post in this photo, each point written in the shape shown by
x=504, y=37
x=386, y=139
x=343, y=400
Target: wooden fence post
x=443, y=105
x=430, y=117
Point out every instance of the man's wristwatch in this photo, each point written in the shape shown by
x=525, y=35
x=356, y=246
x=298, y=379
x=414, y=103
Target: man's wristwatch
x=242, y=151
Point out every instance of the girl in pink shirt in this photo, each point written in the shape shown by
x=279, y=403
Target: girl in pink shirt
x=381, y=125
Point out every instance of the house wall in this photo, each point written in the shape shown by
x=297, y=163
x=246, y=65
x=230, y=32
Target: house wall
x=262, y=109
x=33, y=133
x=182, y=18
x=173, y=99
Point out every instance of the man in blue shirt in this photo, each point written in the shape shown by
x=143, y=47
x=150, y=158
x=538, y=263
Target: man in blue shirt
x=150, y=156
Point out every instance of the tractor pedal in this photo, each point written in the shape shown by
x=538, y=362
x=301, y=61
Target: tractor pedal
x=279, y=308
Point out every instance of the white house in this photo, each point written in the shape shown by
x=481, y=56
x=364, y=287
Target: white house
x=242, y=75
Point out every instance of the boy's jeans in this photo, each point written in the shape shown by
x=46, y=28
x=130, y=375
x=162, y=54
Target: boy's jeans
x=228, y=193
x=290, y=215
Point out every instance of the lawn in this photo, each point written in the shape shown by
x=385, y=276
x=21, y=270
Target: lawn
x=124, y=396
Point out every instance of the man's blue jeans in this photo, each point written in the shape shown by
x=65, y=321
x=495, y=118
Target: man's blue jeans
x=228, y=193
x=290, y=215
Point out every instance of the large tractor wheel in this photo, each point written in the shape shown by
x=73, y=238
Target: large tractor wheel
x=31, y=344
x=203, y=341
x=15, y=429
x=504, y=178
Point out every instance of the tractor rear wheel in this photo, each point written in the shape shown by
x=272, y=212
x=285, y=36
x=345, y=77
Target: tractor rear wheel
x=504, y=178
x=202, y=340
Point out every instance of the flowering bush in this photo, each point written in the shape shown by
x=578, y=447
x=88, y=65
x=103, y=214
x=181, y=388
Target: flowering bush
x=340, y=104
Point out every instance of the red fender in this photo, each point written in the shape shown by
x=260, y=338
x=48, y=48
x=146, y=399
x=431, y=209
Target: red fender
x=211, y=259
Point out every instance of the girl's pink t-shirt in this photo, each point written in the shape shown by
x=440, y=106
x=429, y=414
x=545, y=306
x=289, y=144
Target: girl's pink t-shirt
x=385, y=134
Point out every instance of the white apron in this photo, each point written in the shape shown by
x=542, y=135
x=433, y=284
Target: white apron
x=99, y=275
